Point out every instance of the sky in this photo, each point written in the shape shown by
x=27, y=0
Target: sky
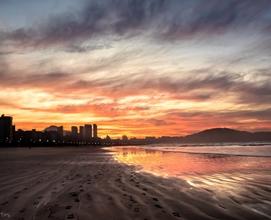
x=136, y=67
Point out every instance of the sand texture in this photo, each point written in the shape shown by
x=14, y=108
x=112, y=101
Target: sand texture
x=70, y=183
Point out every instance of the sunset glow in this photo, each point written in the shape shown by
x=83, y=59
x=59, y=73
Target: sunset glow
x=147, y=68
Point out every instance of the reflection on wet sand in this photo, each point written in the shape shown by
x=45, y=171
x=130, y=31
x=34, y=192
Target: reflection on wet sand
x=239, y=179
x=175, y=164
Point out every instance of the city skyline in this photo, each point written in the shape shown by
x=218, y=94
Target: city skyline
x=87, y=135
x=52, y=135
x=136, y=68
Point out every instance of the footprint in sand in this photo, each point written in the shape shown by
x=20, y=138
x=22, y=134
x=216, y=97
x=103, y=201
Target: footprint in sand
x=22, y=210
x=70, y=216
x=176, y=214
x=74, y=194
x=118, y=180
x=52, y=210
x=68, y=207
x=4, y=203
x=132, y=199
x=158, y=206
x=35, y=203
x=16, y=193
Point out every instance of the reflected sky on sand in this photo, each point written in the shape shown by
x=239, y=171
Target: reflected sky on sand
x=174, y=164
x=229, y=175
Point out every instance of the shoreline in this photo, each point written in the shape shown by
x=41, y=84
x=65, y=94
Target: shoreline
x=148, y=148
x=86, y=183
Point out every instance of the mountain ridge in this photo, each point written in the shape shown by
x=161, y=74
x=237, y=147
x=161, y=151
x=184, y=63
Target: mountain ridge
x=227, y=135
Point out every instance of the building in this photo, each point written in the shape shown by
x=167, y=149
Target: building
x=125, y=138
x=82, y=133
x=95, y=131
x=60, y=134
x=87, y=132
x=51, y=128
x=74, y=131
x=54, y=134
x=50, y=136
x=6, y=129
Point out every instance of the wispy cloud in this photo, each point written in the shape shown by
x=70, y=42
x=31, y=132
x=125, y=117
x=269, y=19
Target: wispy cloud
x=173, y=19
x=139, y=66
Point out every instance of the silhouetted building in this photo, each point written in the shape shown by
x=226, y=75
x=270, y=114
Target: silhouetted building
x=82, y=133
x=13, y=131
x=95, y=131
x=33, y=136
x=51, y=128
x=53, y=134
x=60, y=133
x=5, y=129
x=125, y=138
x=74, y=131
x=87, y=132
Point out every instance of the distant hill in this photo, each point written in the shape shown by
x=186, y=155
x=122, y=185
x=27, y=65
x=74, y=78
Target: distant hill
x=227, y=135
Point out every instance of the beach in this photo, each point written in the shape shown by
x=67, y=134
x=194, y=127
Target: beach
x=93, y=183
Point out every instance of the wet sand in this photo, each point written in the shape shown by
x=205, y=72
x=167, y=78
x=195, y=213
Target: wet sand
x=85, y=183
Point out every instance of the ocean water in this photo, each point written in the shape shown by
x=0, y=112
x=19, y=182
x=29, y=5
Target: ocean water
x=251, y=149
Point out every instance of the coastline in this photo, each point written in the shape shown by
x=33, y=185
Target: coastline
x=86, y=183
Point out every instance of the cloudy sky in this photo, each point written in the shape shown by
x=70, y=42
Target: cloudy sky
x=136, y=67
